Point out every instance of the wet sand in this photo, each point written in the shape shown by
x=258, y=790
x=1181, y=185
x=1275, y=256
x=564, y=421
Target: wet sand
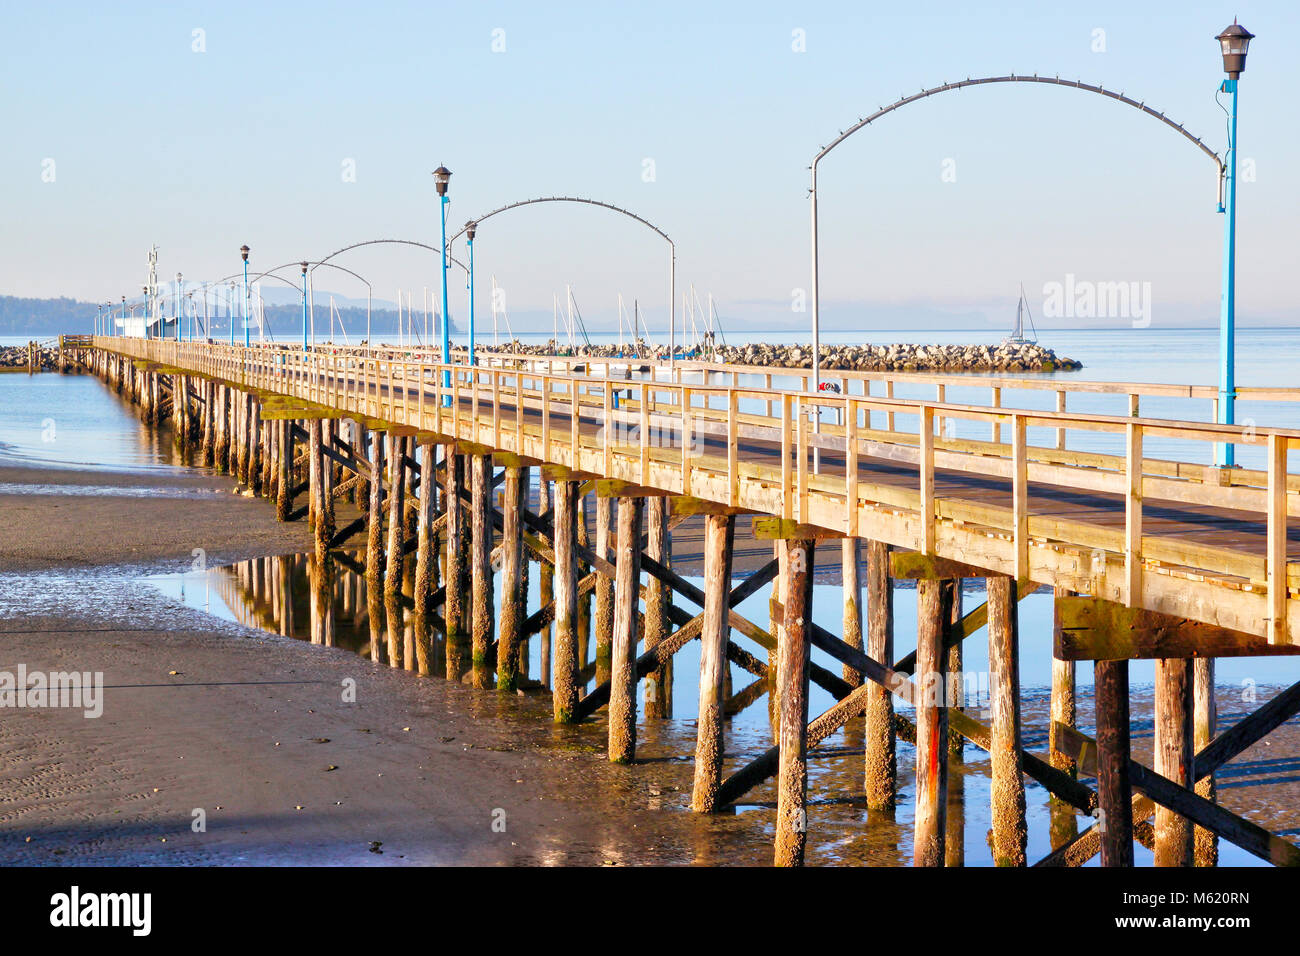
x=203, y=714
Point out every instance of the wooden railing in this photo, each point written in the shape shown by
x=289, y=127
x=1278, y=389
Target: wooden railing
x=756, y=449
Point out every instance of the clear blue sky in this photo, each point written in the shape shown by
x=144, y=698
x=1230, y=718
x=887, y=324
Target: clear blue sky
x=247, y=141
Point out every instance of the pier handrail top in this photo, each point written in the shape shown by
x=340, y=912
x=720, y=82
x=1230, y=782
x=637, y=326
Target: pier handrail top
x=958, y=379
x=1177, y=428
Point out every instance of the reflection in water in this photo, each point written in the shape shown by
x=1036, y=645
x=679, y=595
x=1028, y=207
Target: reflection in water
x=336, y=605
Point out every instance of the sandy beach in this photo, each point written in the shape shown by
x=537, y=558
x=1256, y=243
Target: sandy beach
x=252, y=729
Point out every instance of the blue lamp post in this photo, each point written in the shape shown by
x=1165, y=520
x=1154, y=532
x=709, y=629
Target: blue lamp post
x=1234, y=42
x=470, y=229
x=124, y=326
x=243, y=251
x=178, y=307
x=304, y=305
x=441, y=177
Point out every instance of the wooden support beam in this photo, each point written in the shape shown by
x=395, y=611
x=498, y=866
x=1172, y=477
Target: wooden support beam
x=787, y=529
x=1096, y=629
x=623, y=663
x=794, y=649
x=718, y=543
x=913, y=565
x=684, y=506
x=618, y=488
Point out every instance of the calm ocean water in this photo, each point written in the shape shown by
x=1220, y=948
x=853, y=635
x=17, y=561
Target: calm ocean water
x=74, y=422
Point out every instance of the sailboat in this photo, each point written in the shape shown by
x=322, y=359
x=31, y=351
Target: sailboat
x=1018, y=336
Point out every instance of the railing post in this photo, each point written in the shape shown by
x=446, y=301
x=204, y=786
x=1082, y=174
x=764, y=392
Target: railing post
x=1277, y=578
x=926, y=414
x=686, y=440
x=1020, y=494
x=546, y=417
x=733, y=442
x=851, y=468
x=787, y=414
x=1133, y=515
x=575, y=421
x=645, y=432
x=1060, y=407
x=801, y=456
x=607, y=431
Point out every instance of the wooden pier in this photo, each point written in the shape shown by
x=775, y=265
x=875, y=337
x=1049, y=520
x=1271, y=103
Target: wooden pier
x=1159, y=558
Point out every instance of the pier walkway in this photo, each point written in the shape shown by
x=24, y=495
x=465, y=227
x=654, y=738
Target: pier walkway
x=1149, y=557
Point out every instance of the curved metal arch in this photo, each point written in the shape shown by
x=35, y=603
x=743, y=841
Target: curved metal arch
x=376, y=242
x=272, y=274
x=672, y=249
x=1013, y=78
x=578, y=199
x=961, y=84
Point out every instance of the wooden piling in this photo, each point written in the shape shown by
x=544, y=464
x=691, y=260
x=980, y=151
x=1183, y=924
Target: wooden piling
x=852, y=587
x=1173, y=756
x=221, y=419
x=931, y=722
x=1114, y=789
x=482, y=624
x=514, y=590
x=1010, y=832
x=659, y=684
x=375, y=550
x=426, y=565
x=545, y=583
x=881, y=761
x=792, y=674
x=603, y=620
x=1064, y=825
x=254, y=451
x=564, y=686
x=207, y=389
x=584, y=597
x=240, y=452
x=626, y=598
x=1205, y=848
x=315, y=483
x=284, y=476
x=395, y=563
x=454, y=615
x=719, y=536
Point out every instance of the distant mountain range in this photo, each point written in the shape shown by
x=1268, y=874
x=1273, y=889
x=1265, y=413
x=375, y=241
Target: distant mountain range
x=47, y=317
